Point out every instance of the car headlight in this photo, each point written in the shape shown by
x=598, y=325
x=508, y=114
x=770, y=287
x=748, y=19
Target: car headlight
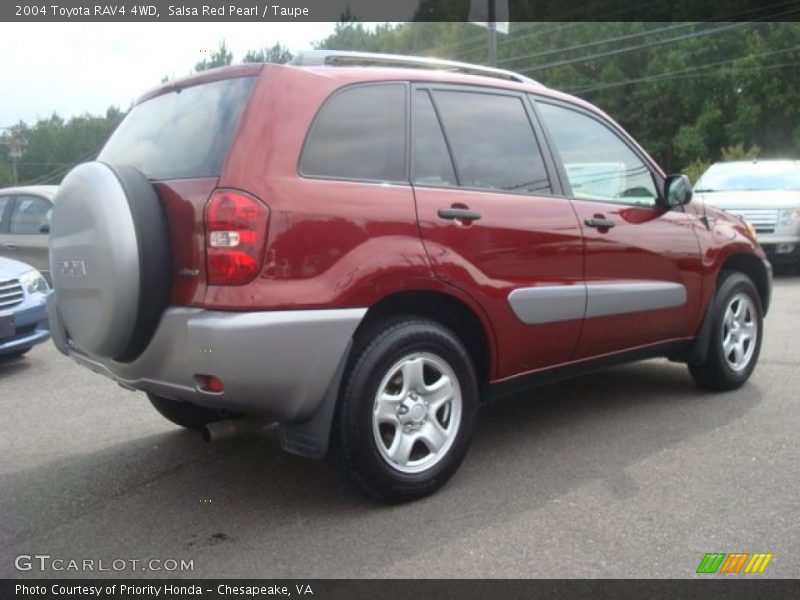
x=788, y=216
x=33, y=282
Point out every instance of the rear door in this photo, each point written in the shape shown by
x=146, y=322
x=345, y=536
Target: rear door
x=643, y=268
x=494, y=223
x=25, y=238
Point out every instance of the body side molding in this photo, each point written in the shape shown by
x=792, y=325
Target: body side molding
x=552, y=303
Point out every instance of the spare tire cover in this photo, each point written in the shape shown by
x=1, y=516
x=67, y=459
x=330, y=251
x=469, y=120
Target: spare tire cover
x=110, y=259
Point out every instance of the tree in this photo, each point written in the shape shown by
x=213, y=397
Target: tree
x=274, y=54
x=221, y=57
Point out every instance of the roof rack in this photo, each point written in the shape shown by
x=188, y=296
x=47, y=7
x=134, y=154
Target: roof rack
x=336, y=58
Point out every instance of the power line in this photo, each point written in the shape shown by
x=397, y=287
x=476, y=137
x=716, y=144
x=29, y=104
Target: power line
x=617, y=51
x=668, y=75
x=597, y=42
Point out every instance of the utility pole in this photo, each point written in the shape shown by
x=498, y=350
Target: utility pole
x=491, y=31
x=16, y=148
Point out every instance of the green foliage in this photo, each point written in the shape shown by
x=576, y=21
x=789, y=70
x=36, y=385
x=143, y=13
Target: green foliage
x=684, y=90
x=695, y=169
x=54, y=146
x=274, y=54
x=738, y=152
x=221, y=57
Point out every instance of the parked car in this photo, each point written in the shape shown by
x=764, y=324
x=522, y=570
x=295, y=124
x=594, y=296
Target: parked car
x=24, y=224
x=363, y=253
x=766, y=193
x=23, y=314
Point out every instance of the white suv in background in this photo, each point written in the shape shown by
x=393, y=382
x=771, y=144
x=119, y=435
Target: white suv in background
x=766, y=193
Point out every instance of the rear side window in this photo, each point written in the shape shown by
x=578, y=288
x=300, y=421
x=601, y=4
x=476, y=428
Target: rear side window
x=181, y=134
x=493, y=143
x=360, y=133
x=432, y=164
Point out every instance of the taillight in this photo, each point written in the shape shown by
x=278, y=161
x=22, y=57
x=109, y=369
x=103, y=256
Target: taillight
x=236, y=231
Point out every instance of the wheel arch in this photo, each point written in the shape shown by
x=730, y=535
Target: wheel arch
x=755, y=268
x=450, y=311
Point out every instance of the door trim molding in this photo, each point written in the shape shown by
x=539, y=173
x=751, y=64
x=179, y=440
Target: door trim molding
x=553, y=303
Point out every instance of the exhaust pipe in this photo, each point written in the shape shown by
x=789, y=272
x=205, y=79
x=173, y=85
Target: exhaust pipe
x=229, y=428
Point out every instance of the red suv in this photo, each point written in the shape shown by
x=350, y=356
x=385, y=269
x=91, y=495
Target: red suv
x=361, y=248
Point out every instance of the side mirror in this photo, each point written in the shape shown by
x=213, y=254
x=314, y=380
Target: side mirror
x=45, y=228
x=677, y=191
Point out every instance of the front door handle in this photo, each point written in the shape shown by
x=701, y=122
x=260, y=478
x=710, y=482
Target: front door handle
x=11, y=247
x=459, y=214
x=600, y=222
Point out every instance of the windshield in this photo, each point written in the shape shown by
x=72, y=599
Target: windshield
x=729, y=177
x=181, y=134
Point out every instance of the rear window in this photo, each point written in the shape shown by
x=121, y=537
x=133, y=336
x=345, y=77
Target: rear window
x=182, y=134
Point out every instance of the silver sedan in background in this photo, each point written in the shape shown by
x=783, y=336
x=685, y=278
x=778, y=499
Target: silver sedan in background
x=25, y=224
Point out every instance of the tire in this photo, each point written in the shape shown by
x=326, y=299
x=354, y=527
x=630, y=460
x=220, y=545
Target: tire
x=110, y=259
x=736, y=333
x=403, y=360
x=188, y=415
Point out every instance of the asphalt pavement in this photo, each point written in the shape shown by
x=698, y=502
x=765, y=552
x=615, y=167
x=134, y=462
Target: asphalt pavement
x=629, y=472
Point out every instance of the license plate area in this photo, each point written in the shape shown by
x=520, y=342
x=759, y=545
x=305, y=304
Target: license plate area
x=7, y=326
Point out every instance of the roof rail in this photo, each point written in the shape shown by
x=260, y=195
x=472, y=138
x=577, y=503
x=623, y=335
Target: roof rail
x=368, y=59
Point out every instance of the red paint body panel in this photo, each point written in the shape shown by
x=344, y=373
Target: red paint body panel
x=520, y=241
x=184, y=201
x=646, y=243
x=336, y=244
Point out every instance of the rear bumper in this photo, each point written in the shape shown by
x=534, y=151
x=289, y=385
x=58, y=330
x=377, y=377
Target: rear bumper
x=275, y=364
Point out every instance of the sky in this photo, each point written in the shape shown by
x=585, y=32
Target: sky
x=73, y=68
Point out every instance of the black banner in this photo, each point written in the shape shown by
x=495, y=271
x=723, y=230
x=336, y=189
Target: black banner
x=392, y=10
x=404, y=589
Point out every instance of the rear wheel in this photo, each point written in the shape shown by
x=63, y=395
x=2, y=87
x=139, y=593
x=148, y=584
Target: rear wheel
x=186, y=414
x=736, y=333
x=407, y=411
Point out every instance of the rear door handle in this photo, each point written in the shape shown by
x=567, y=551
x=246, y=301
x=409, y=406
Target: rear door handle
x=11, y=247
x=600, y=223
x=458, y=214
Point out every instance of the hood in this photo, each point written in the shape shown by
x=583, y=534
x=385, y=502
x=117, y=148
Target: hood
x=11, y=269
x=775, y=199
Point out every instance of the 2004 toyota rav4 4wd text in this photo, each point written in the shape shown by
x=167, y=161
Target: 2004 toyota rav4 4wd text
x=360, y=253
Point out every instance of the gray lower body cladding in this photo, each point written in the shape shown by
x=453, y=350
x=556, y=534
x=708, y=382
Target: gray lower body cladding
x=274, y=364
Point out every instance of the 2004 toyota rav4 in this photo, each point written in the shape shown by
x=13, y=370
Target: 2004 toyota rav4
x=363, y=252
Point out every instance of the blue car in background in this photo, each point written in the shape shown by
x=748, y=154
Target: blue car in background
x=23, y=313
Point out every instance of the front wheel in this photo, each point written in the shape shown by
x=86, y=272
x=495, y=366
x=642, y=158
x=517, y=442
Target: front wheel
x=407, y=410
x=736, y=332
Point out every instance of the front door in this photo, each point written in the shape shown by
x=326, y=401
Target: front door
x=493, y=222
x=643, y=269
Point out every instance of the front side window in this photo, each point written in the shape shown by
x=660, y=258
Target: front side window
x=360, y=134
x=30, y=215
x=598, y=164
x=492, y=141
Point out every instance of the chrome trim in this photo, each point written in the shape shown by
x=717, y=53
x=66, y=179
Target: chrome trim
x=320, y=58
x=10, y=293
x=553, y=303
